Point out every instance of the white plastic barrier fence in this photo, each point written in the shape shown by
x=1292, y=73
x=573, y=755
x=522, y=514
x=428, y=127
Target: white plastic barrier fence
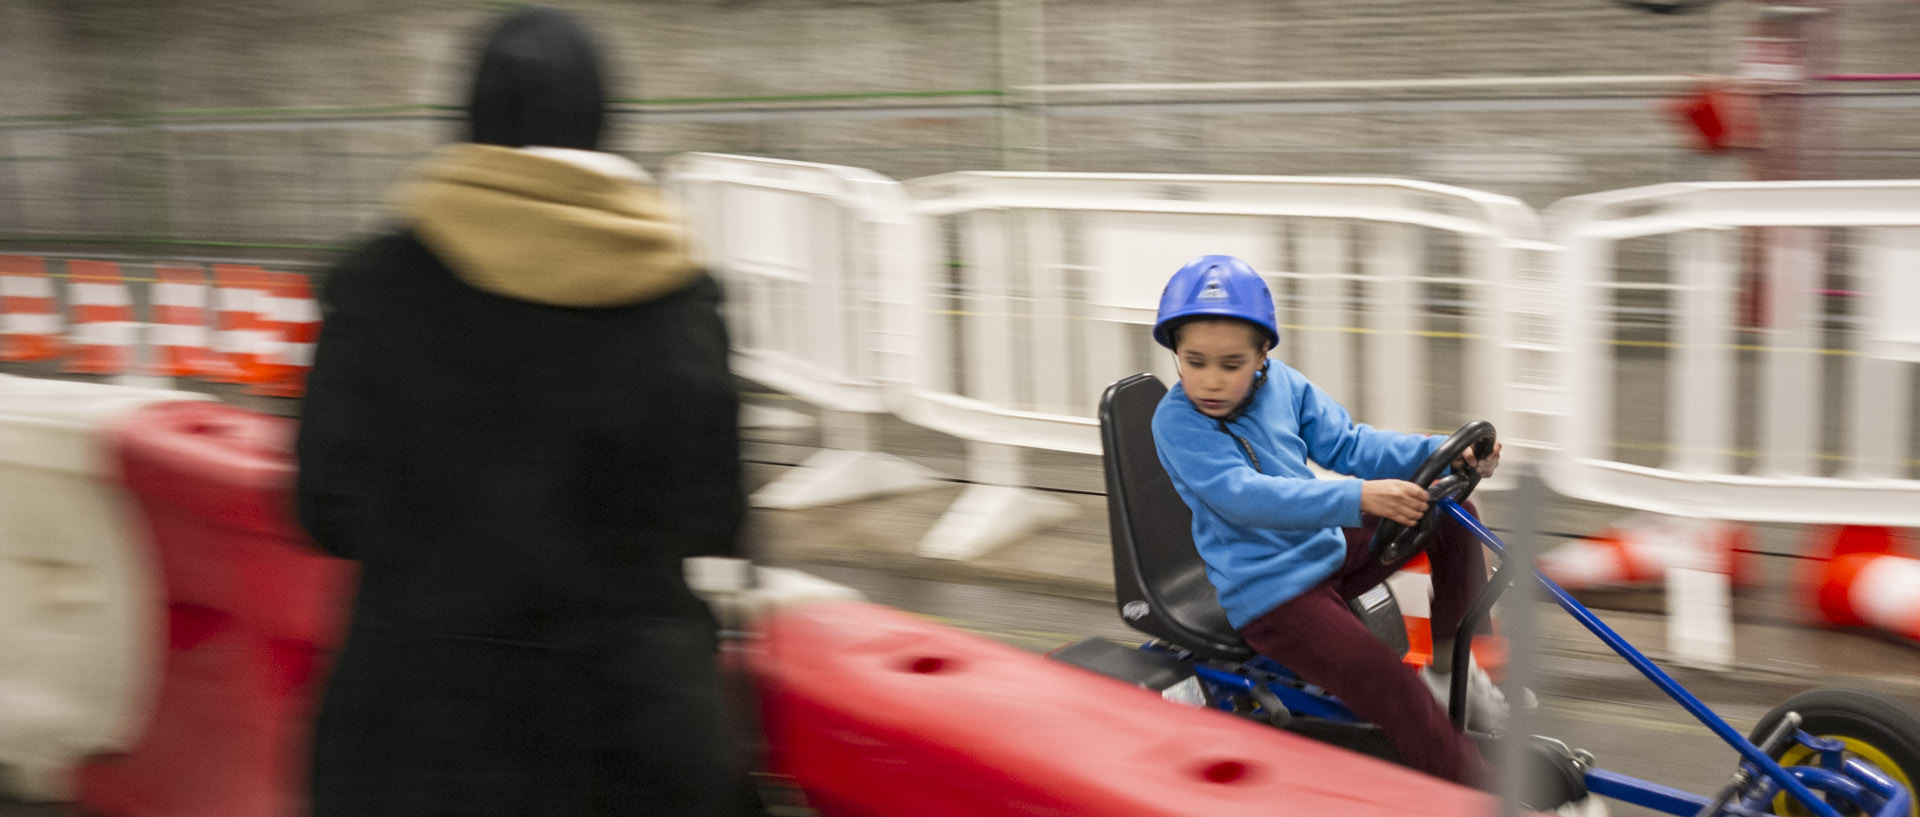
x=79, y=633
x=1031, y=292
x=802, y=249
x=1742, y=350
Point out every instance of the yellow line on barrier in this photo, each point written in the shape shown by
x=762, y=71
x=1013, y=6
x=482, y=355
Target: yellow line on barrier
x=1436, y=334
x=1737, y=347
x=1351, y=330
x=1734, y=452
x=1663, y=448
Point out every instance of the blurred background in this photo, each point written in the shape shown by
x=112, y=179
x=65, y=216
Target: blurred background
x=281, y=125
x=267, y=134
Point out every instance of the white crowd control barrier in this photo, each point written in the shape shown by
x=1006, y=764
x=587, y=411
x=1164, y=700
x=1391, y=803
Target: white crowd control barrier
x=1031, y=292
x=80, y=635
x=802, y=249
x=1742, y=350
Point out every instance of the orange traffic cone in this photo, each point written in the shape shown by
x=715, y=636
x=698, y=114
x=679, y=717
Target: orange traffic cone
x=1639, y=549
x=182, y=342
x=244, y=336
x=29, y=320
x=1413, y=590
x=1861, y=582
x=296, y=321
x=104, y=330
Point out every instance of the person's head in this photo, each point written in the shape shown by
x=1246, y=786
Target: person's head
x=1216, y=314
x=538, y=82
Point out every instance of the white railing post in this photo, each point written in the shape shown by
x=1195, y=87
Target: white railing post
x=803, y=249
x=1791, y=376
x=1704, y=371
x=1880, y=435
x=1393, y=399
x=1327, y=356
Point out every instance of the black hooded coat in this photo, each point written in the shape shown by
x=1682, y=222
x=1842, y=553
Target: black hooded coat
x=519, y=421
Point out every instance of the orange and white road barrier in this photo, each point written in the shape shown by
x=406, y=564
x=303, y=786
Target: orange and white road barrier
x=294, y=327
x=104, y=330
x=240, y=301
x=1864, y=584
x=29, y=320
x=181, y=337
x=1640, y=549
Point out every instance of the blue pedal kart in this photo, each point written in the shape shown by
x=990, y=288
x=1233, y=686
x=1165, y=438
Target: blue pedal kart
x=1826, y=752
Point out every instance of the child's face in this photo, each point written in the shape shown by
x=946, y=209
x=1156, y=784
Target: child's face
x=1218, y=359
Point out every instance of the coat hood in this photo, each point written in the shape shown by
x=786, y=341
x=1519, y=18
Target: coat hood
x=539, y=226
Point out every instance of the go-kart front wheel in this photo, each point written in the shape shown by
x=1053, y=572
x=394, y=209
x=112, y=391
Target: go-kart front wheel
x=1874, y=728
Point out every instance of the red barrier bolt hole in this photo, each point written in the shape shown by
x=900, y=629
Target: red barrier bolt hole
x=1225, y=771
x=928, y=666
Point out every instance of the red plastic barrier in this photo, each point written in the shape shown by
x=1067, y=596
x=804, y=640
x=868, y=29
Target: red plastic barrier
x=879, y=714
x=252, y=610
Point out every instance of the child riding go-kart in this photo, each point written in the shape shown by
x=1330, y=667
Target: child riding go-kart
x=1825, y=752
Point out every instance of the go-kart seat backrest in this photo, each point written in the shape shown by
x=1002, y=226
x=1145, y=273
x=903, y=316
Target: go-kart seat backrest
x=1159, y=581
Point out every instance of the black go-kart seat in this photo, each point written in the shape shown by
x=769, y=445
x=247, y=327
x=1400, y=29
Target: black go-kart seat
x=1159, y=581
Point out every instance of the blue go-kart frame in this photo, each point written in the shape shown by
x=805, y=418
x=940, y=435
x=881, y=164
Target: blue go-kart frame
x=1861, y=786
x=1827, y=777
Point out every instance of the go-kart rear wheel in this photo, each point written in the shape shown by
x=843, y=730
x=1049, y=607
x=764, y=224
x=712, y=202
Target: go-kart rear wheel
x=1874, y=728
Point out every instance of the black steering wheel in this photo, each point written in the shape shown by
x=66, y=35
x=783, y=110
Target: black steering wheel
x=1393, y=542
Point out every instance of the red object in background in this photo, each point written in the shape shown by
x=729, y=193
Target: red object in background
x=1715, y=117
x=29, y=317
x=1839, y=554
x=252, y=612
x=876, y=713
x=104, y=330
x=295, y=321
x=242, y=296
x=181, y=337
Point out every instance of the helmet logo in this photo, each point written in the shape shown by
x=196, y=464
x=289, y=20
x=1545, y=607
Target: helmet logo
x=1135, y=610
x=1212, y=291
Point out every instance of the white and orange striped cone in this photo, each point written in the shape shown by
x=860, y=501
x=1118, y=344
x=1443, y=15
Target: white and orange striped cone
x=29, y=319
x=243, y=336
x=1863, y=583
x=1413, y=590
x=182, y=341
x=101, y=310
x=1639, y=549
x=296, y=323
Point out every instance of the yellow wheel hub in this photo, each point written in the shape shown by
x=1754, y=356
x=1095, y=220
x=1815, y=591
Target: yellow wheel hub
x=1799, y=755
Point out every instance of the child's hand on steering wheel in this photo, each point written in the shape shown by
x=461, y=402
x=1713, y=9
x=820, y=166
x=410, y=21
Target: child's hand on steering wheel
x=1486, y=467
x=1395, y=499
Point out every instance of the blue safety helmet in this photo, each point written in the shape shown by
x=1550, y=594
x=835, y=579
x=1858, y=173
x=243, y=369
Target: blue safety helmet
x=1215, y=286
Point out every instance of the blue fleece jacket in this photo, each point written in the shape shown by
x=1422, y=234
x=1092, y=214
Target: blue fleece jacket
x=1271, y=533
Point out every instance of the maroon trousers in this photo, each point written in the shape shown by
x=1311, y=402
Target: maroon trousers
x=1316, y=636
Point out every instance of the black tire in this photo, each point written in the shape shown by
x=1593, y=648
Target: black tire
x=1856, y=715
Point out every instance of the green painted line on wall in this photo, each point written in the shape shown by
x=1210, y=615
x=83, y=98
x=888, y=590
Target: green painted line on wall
x=214, y=113
x=715, y=100
x=344, y=110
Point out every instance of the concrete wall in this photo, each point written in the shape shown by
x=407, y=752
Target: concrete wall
x=283, y=123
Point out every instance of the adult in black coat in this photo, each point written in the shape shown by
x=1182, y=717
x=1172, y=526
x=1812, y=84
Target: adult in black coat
x=519, y=421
